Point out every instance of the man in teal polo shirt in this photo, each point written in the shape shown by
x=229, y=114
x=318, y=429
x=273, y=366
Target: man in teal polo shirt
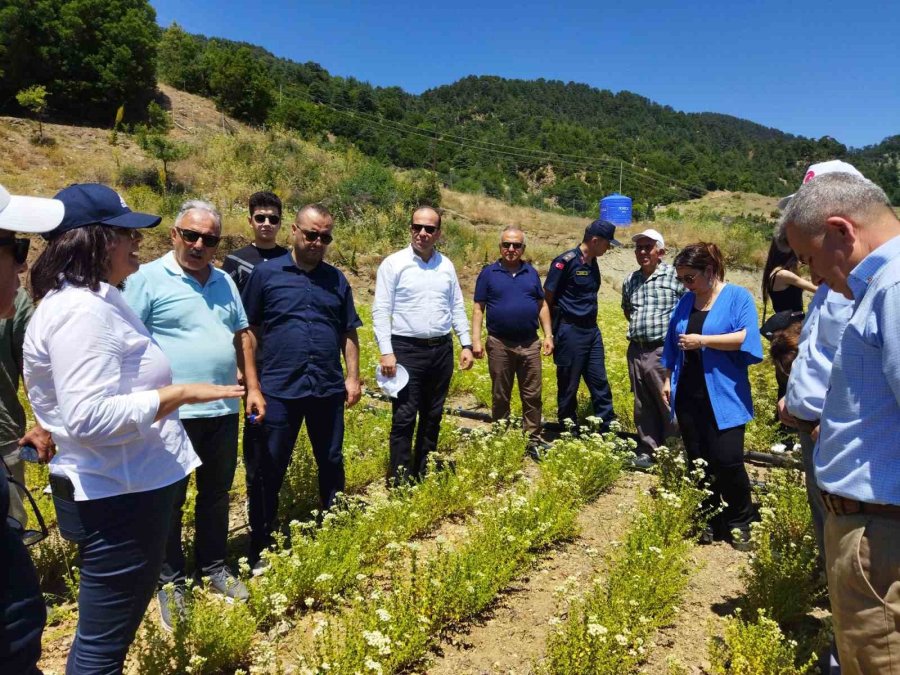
x=194, y=313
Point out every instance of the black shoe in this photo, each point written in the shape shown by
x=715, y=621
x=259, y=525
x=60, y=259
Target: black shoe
x=707, y=536
x=536, y=449
x=171, y=605
x=741, y=541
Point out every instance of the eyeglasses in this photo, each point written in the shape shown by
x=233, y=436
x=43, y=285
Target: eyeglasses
x=311, y=236
x=429, y=229
x=20, y=248
x=687, y=278
x=130, y=232
x=191, y=237
x=260, y=218
x=512, y=244
x=644, y=247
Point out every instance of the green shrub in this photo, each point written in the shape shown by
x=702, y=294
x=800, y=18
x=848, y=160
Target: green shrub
x=783, y=578
x=756, y=648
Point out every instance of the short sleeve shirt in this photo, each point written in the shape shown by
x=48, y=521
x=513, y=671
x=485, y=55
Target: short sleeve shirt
x=512, y=301
x=239, y=264
x=302, y=318
x=193, y=324
x=650, y=301
x=574, y=284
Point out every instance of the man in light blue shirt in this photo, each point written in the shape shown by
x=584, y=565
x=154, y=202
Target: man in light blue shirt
x=843, y=226
x=194, y=313
x=802, y=405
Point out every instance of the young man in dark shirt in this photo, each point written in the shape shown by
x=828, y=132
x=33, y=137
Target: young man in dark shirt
x=265, y=221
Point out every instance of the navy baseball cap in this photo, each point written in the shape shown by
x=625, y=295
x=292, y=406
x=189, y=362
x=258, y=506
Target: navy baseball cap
x=96, y=204
x=602, y=228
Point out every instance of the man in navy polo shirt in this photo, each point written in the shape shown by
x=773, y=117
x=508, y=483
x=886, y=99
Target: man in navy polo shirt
x=301, y=310
x=510, y=290
x=571, y=293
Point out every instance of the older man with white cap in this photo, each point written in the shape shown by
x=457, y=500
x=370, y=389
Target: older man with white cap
x=22, y=611
x=649, y=295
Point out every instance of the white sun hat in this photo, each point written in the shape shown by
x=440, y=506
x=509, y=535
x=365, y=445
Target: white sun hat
x=32, y=215
x=392, y=386
x=651, y=234
x=820, y=169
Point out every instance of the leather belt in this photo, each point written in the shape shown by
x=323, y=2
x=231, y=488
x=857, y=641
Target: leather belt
x=842, y=506
x=647, y=344
x=422, y=342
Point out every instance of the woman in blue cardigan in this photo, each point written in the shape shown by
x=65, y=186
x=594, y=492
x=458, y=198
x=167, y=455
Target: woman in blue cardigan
x=713, y=338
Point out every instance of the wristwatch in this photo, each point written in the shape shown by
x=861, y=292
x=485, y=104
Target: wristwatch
x=469, y=347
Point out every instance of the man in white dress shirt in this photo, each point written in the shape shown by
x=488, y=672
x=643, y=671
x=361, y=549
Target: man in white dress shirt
x=417, y=302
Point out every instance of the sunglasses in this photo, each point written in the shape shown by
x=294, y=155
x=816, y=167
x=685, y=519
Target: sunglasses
x=429, y=229
x=20, y=248
x=311, y=236
x=512, y=244
x=687, y=278
x=191, y=237
x=260, y=218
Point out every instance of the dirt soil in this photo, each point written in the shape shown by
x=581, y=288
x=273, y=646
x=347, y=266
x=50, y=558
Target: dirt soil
x=510, y=636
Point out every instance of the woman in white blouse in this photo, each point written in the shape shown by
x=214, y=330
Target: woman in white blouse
x=103, y=388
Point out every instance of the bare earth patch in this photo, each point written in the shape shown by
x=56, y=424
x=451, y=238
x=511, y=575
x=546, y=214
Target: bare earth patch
x=513, y=633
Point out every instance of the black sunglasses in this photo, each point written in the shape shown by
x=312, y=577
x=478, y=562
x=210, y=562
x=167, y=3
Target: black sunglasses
x=430, y=229
x=191, y=237
x=311, y=236
x=20, y=248
x=687, y=278
x=512, y=244
x=260, y=218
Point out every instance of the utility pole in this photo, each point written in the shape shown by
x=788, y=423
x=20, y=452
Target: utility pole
x=620, y=177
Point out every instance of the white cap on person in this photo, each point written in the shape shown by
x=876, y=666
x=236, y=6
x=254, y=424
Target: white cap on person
x=820, y=169
x=650, y=234
x=31, y=215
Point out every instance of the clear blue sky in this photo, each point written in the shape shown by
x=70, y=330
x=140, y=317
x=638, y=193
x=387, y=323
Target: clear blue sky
x=810, y=68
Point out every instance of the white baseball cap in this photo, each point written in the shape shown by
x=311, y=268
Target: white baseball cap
x=29, y=214
x=820, y=169
x=651, y=234
x=392, y=386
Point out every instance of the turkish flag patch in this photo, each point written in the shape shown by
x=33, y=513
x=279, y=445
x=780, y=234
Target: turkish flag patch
x=559, y=266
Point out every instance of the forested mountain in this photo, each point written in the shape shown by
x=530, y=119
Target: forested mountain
x=536, y=142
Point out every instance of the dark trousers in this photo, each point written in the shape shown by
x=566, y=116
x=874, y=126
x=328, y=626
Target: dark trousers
x=430, y=369
x=579, y=354
x=508, y=361
x=268, y=448
x=215, y=440
x=651, y=413
x=723, y=451
x=121, y=542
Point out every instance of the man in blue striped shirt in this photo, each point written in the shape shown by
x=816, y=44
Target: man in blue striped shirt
x=843, y=226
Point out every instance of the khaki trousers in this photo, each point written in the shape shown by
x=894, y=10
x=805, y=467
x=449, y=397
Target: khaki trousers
x=652, y=418
x=506, y=362
x=863, y=558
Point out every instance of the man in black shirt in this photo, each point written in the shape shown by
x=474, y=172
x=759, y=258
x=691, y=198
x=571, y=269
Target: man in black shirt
x=265, y=221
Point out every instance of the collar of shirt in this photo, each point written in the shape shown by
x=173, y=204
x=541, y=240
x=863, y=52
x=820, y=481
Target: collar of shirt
x=433, y=261
x=861, y=276
x=171, y=265
x=523, y=267
x=288, y=264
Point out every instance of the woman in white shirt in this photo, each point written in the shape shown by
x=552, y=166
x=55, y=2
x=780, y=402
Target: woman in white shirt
x=103, y=388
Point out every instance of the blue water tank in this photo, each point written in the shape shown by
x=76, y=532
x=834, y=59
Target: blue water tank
x=616, y=209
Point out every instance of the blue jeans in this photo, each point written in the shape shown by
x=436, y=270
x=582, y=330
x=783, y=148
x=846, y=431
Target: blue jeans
x=121, y=541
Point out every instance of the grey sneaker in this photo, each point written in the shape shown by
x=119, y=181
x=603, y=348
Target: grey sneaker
x=170, y=602
x=259, y=567
x=225, y=583
x=641, y=462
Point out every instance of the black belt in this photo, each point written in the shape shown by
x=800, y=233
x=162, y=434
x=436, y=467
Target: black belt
x=647, y=344
x=580, y=321
x=842, y=506
x=422, y=342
